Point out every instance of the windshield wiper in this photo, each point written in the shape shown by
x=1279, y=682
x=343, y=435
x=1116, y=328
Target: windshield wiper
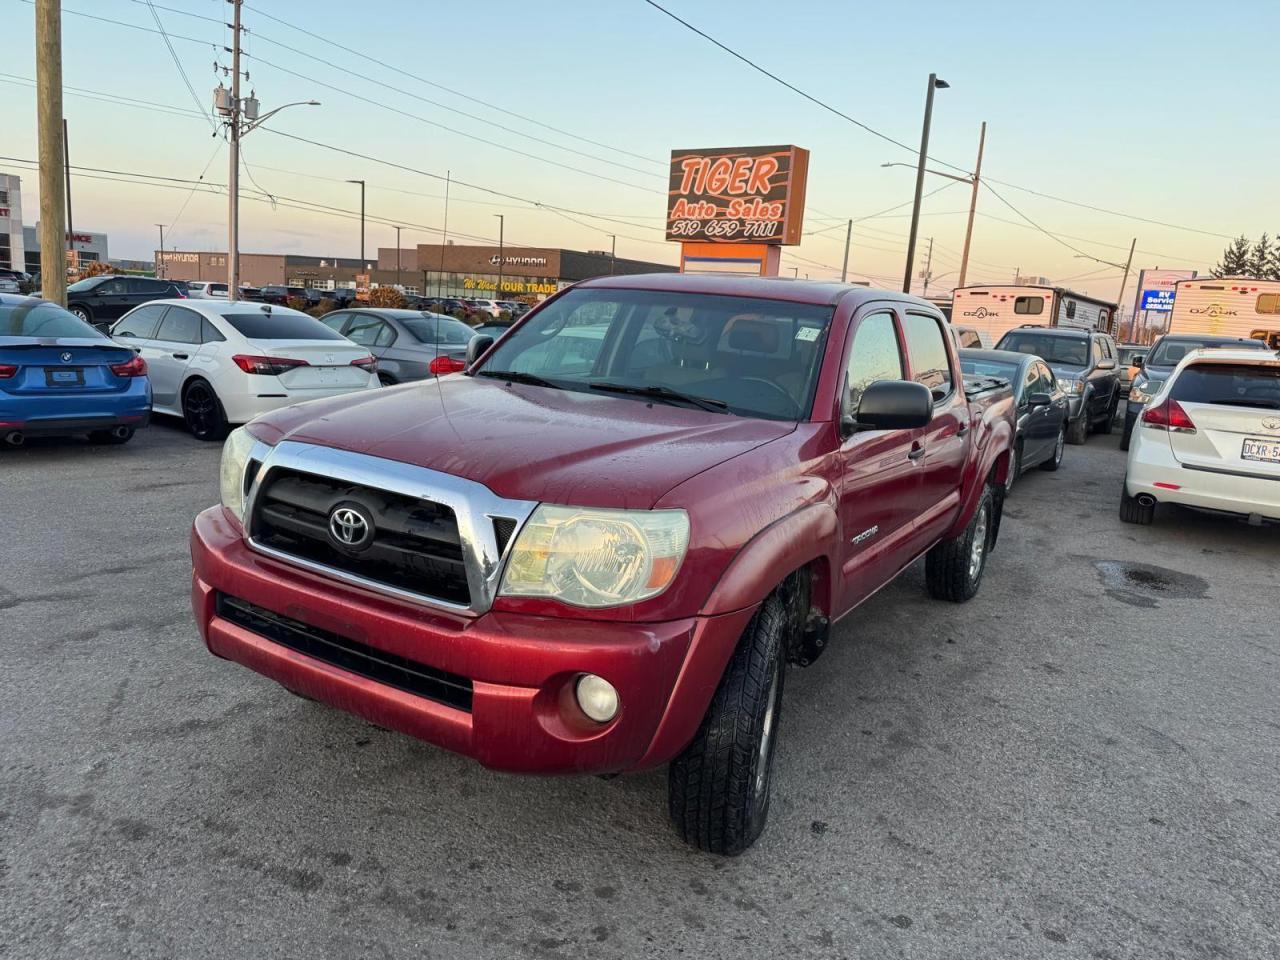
x=656, y=392
x=516, y=376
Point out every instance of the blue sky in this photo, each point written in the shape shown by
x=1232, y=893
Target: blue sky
x=1153, y=109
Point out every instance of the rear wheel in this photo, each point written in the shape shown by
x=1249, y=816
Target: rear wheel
x=1059, y=445
x=111, y=436
x=1127, y=436
x=1078, y=430
x=718, y=788
x=386, y=380
x=953, y=569
x=82, y=312
x=203, y=412
x=1134, y=511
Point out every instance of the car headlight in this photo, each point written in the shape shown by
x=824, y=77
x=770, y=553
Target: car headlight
x=1072, y=387
x=596, y=558
x=231, y=479
x=1144, y=389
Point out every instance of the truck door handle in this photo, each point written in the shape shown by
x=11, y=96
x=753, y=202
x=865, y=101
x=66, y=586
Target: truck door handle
x=180, y=356
x=917, y=451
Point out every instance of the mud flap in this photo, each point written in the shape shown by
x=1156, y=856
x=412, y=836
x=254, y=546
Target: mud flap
x=997, y=512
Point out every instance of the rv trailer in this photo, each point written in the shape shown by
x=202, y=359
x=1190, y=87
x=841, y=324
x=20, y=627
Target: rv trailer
x=994, y=310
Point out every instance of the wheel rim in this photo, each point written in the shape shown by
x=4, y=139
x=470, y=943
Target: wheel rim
x=81, y=314
x=766, y=739
x=201, y=409
x=979, y=548
x=1058, y=447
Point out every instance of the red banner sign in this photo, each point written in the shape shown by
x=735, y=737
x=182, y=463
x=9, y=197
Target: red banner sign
x=737, y=195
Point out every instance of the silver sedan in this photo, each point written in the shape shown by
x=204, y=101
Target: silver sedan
x=408, y=344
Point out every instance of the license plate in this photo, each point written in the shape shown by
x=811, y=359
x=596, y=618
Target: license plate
x=326, y=374
x=1266, y=451
x=64, y=377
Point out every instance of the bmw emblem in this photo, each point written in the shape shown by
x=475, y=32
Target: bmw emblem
x=66, y=357
x=350, y=526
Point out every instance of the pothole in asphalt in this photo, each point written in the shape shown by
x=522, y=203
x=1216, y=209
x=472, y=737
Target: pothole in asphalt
x=1144, y=585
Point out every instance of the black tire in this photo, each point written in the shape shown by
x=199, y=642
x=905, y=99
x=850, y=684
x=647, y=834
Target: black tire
x=1131, y=511
x=109, y=437
x=1015, y=468
x=953, y=569
x=83, y=312
x=1127, y=436
x=386, y=379
x=202, y=410
x=1078, y=430
x=718, y=788
x=1109, y=424
x=1055, y=461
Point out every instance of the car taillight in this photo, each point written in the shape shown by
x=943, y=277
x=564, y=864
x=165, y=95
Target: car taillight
x=8, y=370
x=133, y=367
x=1169, y=416
x=367, y=363
x=446, y=365
x=267, y=366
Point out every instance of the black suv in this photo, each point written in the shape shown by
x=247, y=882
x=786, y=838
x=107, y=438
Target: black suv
x=100, y=300
x=1085, y=366
x=1161, y=359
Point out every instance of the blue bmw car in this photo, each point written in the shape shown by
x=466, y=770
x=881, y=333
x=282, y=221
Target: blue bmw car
x=59, y=376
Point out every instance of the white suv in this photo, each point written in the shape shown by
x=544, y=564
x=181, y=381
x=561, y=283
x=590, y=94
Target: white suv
x=1209, y=438
x=206, y=290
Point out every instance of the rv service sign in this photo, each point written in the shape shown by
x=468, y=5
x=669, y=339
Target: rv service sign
x=737, y=195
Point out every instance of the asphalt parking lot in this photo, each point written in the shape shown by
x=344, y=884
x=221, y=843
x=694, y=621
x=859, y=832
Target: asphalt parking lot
x=1081, y=762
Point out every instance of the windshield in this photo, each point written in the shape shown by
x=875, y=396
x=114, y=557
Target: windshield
x=37, y=318
x=756, y=358
x=1236, y=385
x=990, y=368
x=80, y=286
x=1168, y=353
x=280, y=325
x=437, y=329
x=1067, y=351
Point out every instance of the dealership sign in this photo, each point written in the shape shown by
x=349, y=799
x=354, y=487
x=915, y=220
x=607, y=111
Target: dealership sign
x=1160, y=301
x=737, y=195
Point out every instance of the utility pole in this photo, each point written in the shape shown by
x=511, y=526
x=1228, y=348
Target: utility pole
x=927, y=275
x=53, y=220
x=1127, y=265
x=397, y=256
x=613, y=254
x=162, y=266
x=66, y=163
x=444, y=234
x=233, y=177
x=973, y=206
x=848, y=237
x=501, y=226
x=934, y=84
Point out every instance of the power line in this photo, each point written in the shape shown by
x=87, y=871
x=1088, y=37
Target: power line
x=178, y=63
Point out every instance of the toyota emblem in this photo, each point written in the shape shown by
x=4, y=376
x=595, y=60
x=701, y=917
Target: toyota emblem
x=1271, y=423
x=350, y=527
x=66, y=357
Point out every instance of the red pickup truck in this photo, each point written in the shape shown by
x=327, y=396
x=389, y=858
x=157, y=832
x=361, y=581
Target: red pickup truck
x=597, y=549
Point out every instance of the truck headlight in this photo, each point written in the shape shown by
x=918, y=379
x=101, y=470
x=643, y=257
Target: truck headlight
x=596, y=558
x=231, y=480
x=1071, y=387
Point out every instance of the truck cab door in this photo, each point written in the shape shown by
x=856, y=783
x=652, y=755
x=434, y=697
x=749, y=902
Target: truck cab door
x=879, y=477
x=944, y=443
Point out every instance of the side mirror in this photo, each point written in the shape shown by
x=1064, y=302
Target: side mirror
x=476, y=347
x=1039, y=399
x=1138, y=360
x=1107, y=365
x=893, y=405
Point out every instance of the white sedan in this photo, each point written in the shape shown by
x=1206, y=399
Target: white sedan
x=1209, y=438
x=216, y=363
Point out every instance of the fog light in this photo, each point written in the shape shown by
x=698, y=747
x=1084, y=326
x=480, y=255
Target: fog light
x=597, y=698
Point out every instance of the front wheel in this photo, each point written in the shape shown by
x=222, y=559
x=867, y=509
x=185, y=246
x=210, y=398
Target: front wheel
x=1078, y=431
x=1059, y=445
x=1109, y=423
x=203, y=412
x=718, y=788
x=953, y=569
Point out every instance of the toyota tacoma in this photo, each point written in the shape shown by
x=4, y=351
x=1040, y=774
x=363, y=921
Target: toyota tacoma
x=598, y=548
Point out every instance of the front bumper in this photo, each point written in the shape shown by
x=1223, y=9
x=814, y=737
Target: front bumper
x=522, y=669
x=1152, y=469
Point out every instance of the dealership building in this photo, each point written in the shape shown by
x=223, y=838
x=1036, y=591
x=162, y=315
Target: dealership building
x=448, y=270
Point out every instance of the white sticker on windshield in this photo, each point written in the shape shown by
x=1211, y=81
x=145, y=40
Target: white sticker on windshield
x=808, y=334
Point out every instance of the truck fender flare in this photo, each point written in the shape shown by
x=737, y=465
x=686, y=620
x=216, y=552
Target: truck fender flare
x=807, y=535
x=999, y=445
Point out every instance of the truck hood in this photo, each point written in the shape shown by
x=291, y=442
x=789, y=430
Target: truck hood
x=528, y=443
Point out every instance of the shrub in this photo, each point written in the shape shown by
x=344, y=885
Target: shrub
x=95, y=268
x=320, y=309
x=297, y=303
x=387, y=297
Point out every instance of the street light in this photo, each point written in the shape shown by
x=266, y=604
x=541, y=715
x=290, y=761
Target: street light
x=934, y=84
x=361, y=182
x=397, y=256
x=501, y=226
